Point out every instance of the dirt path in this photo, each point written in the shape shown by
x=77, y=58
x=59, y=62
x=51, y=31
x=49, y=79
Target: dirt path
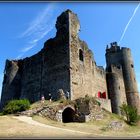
x=23, y=126
x=30, y=121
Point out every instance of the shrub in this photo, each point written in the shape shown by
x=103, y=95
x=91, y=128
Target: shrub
x=1, y=113
x=87, y=99
x=67, y=102
x=99, y=104
x=62, y=100
x=15, y=106
x=130, y=113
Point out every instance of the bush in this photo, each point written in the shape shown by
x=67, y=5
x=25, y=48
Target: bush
x=62, y=100
x=99, y=104
x=87, y=99
x=15, y=106
x=130, y=113
x=1, y=113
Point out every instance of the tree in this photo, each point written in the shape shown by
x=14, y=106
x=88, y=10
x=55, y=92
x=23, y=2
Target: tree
x=130, y=113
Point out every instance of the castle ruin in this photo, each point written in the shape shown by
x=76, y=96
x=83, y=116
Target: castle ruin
x=65, y=62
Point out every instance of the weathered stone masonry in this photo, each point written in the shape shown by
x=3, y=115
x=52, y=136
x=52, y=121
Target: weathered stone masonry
x=65, y=62
x=121, y=59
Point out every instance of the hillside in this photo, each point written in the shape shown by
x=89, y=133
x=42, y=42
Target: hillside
x=39, y=122
x=13, y=127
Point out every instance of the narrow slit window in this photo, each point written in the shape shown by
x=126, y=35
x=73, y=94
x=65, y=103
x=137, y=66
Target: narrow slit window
x=132, y=66
x=81, y=57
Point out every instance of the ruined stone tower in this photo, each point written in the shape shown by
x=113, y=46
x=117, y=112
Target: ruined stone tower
x=121, y=59
x=42, y=73
x=65, y=62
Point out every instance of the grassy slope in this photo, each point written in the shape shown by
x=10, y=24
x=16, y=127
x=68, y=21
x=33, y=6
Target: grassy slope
x=13, y=128
x=10, y=127
x=98, y=127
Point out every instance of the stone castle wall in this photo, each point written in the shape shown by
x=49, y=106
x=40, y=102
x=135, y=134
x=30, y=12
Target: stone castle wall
x=11, y=82
x=86, y=77
x=43, y=73
x=65, y=62
x=122, y=57
x=31, y=78
x=57, y=66
x=118, y=70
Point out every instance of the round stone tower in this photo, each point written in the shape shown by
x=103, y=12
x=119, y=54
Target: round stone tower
x=114, y=91
x=122, y=56
x=10, y=82
x=130, y=78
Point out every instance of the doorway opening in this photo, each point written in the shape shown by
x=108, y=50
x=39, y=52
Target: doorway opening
x=68, y=115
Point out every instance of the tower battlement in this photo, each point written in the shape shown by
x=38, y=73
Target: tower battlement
x=115, y=48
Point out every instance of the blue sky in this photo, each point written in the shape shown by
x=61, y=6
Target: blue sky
x=24, y=27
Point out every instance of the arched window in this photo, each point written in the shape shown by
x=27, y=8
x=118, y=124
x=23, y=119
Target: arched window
x=132, y=66
x=81, y=57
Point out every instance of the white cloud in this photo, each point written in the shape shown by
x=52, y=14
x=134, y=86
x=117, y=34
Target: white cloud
x=39, y=22
x=38, y=29
x=127, y=25
x=19, y=56
x=27, y=48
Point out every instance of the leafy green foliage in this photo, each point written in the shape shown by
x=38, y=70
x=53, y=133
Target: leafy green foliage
x=1, y=113
x=130, y=113
x=87, y=99
x=66, y=102
x=99, y=104
x=15, y=106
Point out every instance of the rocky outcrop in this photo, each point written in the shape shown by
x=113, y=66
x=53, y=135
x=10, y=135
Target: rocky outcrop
x=115, y=125
x=82, y=110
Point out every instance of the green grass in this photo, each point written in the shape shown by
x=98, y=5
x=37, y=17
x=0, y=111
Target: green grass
x=90, y=127
x=48, y=103
x=99, y=127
